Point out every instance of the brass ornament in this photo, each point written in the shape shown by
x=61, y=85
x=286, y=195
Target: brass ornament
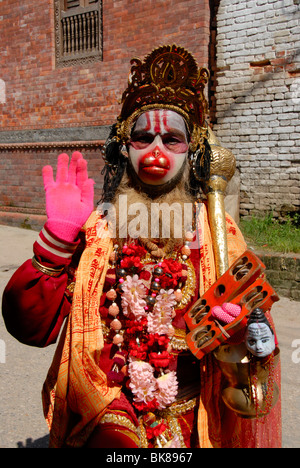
x=46, y=270
x=222, y=165
x=222, y=169
x=167, y=78
x=250, y=390
x=197, y=150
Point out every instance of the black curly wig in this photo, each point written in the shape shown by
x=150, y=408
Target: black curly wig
x=114, y=168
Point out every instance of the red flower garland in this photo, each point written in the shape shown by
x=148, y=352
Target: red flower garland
x=149, y=406
x=133, y=326
x=172, y=274
x=131, y=262
x=138, y=351
x=161, y=340
x=142, y=345
x=155, y=431
x=159, y=360
x=135, y=250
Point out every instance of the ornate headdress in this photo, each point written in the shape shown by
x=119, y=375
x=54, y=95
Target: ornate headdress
x=167, y=78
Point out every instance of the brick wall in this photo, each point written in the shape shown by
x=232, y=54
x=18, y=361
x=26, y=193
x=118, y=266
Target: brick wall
x=22, y=199
x=40, y=96
x=42, y=104
x=21, y=175
x=258, y=99
x=283, y=273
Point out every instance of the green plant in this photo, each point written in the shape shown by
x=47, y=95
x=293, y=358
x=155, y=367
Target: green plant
x=25, y=224
x=268, y=233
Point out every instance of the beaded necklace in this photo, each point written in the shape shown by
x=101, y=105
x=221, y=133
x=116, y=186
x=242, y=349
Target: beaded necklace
x=149, y=291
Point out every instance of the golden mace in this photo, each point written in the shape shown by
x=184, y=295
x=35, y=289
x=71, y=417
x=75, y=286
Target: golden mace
x=222, y=169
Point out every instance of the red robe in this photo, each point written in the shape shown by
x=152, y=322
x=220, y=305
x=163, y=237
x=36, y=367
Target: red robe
x=35, y=306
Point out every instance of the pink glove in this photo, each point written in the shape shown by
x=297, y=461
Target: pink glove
x=69, y=200
x=227, y=312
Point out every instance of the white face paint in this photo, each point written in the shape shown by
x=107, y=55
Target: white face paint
x=159, y=146
x=260, y=340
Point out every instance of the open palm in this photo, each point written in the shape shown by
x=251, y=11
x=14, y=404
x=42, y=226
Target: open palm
x=69, y=198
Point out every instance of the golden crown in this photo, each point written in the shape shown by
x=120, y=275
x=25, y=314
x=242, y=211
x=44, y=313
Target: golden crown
x=167, y=78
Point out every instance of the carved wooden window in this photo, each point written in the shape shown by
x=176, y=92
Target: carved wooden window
x=78, y=31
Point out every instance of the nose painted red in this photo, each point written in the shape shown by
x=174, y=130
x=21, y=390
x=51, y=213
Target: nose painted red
x=155, y=163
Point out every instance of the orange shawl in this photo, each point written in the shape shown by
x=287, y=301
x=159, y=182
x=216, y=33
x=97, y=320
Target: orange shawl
x=76, y=392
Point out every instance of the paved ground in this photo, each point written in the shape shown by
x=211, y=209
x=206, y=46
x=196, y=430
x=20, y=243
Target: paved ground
x=23, y=369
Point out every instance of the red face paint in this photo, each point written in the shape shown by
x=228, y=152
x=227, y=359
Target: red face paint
x=158, y=146
x=154, y=164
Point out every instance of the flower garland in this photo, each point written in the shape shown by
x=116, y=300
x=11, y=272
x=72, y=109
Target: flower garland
x=148, y=299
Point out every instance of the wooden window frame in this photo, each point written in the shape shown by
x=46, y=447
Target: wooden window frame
x=78, y=33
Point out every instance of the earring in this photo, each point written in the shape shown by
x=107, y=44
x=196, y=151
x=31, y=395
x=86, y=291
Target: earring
x=123, y=151
x=195, y=160
x=200, y=163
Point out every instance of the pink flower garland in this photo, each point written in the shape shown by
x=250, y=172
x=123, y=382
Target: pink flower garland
x=149, y=308
x=146, y=388
x=160, y=319
x=167, y=388
x=133, y=297
x=142, y=381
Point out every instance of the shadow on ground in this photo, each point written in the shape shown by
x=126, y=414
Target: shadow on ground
x=42, y=442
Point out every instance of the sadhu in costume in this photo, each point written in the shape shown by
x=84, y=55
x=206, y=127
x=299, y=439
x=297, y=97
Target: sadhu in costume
x=153, y=352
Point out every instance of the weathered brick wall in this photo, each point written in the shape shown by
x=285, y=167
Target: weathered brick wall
x=22, y=198
x=40, y=96
x=258, y=99
x=42, y=103
x=21, y=174
x=283, y=273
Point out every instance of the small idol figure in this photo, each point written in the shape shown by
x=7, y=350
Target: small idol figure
x=259, y=338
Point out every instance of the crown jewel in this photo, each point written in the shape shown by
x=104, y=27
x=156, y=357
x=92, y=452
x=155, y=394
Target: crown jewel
x=168, y=77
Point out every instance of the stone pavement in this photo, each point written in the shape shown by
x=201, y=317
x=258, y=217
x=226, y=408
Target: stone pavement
x=23, y=368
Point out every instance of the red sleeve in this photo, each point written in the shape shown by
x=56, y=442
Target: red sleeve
x=34, y=305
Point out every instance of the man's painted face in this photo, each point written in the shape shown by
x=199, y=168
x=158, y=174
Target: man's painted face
x=158, y=146
x=260, y=340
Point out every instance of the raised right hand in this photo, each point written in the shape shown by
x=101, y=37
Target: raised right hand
x=69, y=199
